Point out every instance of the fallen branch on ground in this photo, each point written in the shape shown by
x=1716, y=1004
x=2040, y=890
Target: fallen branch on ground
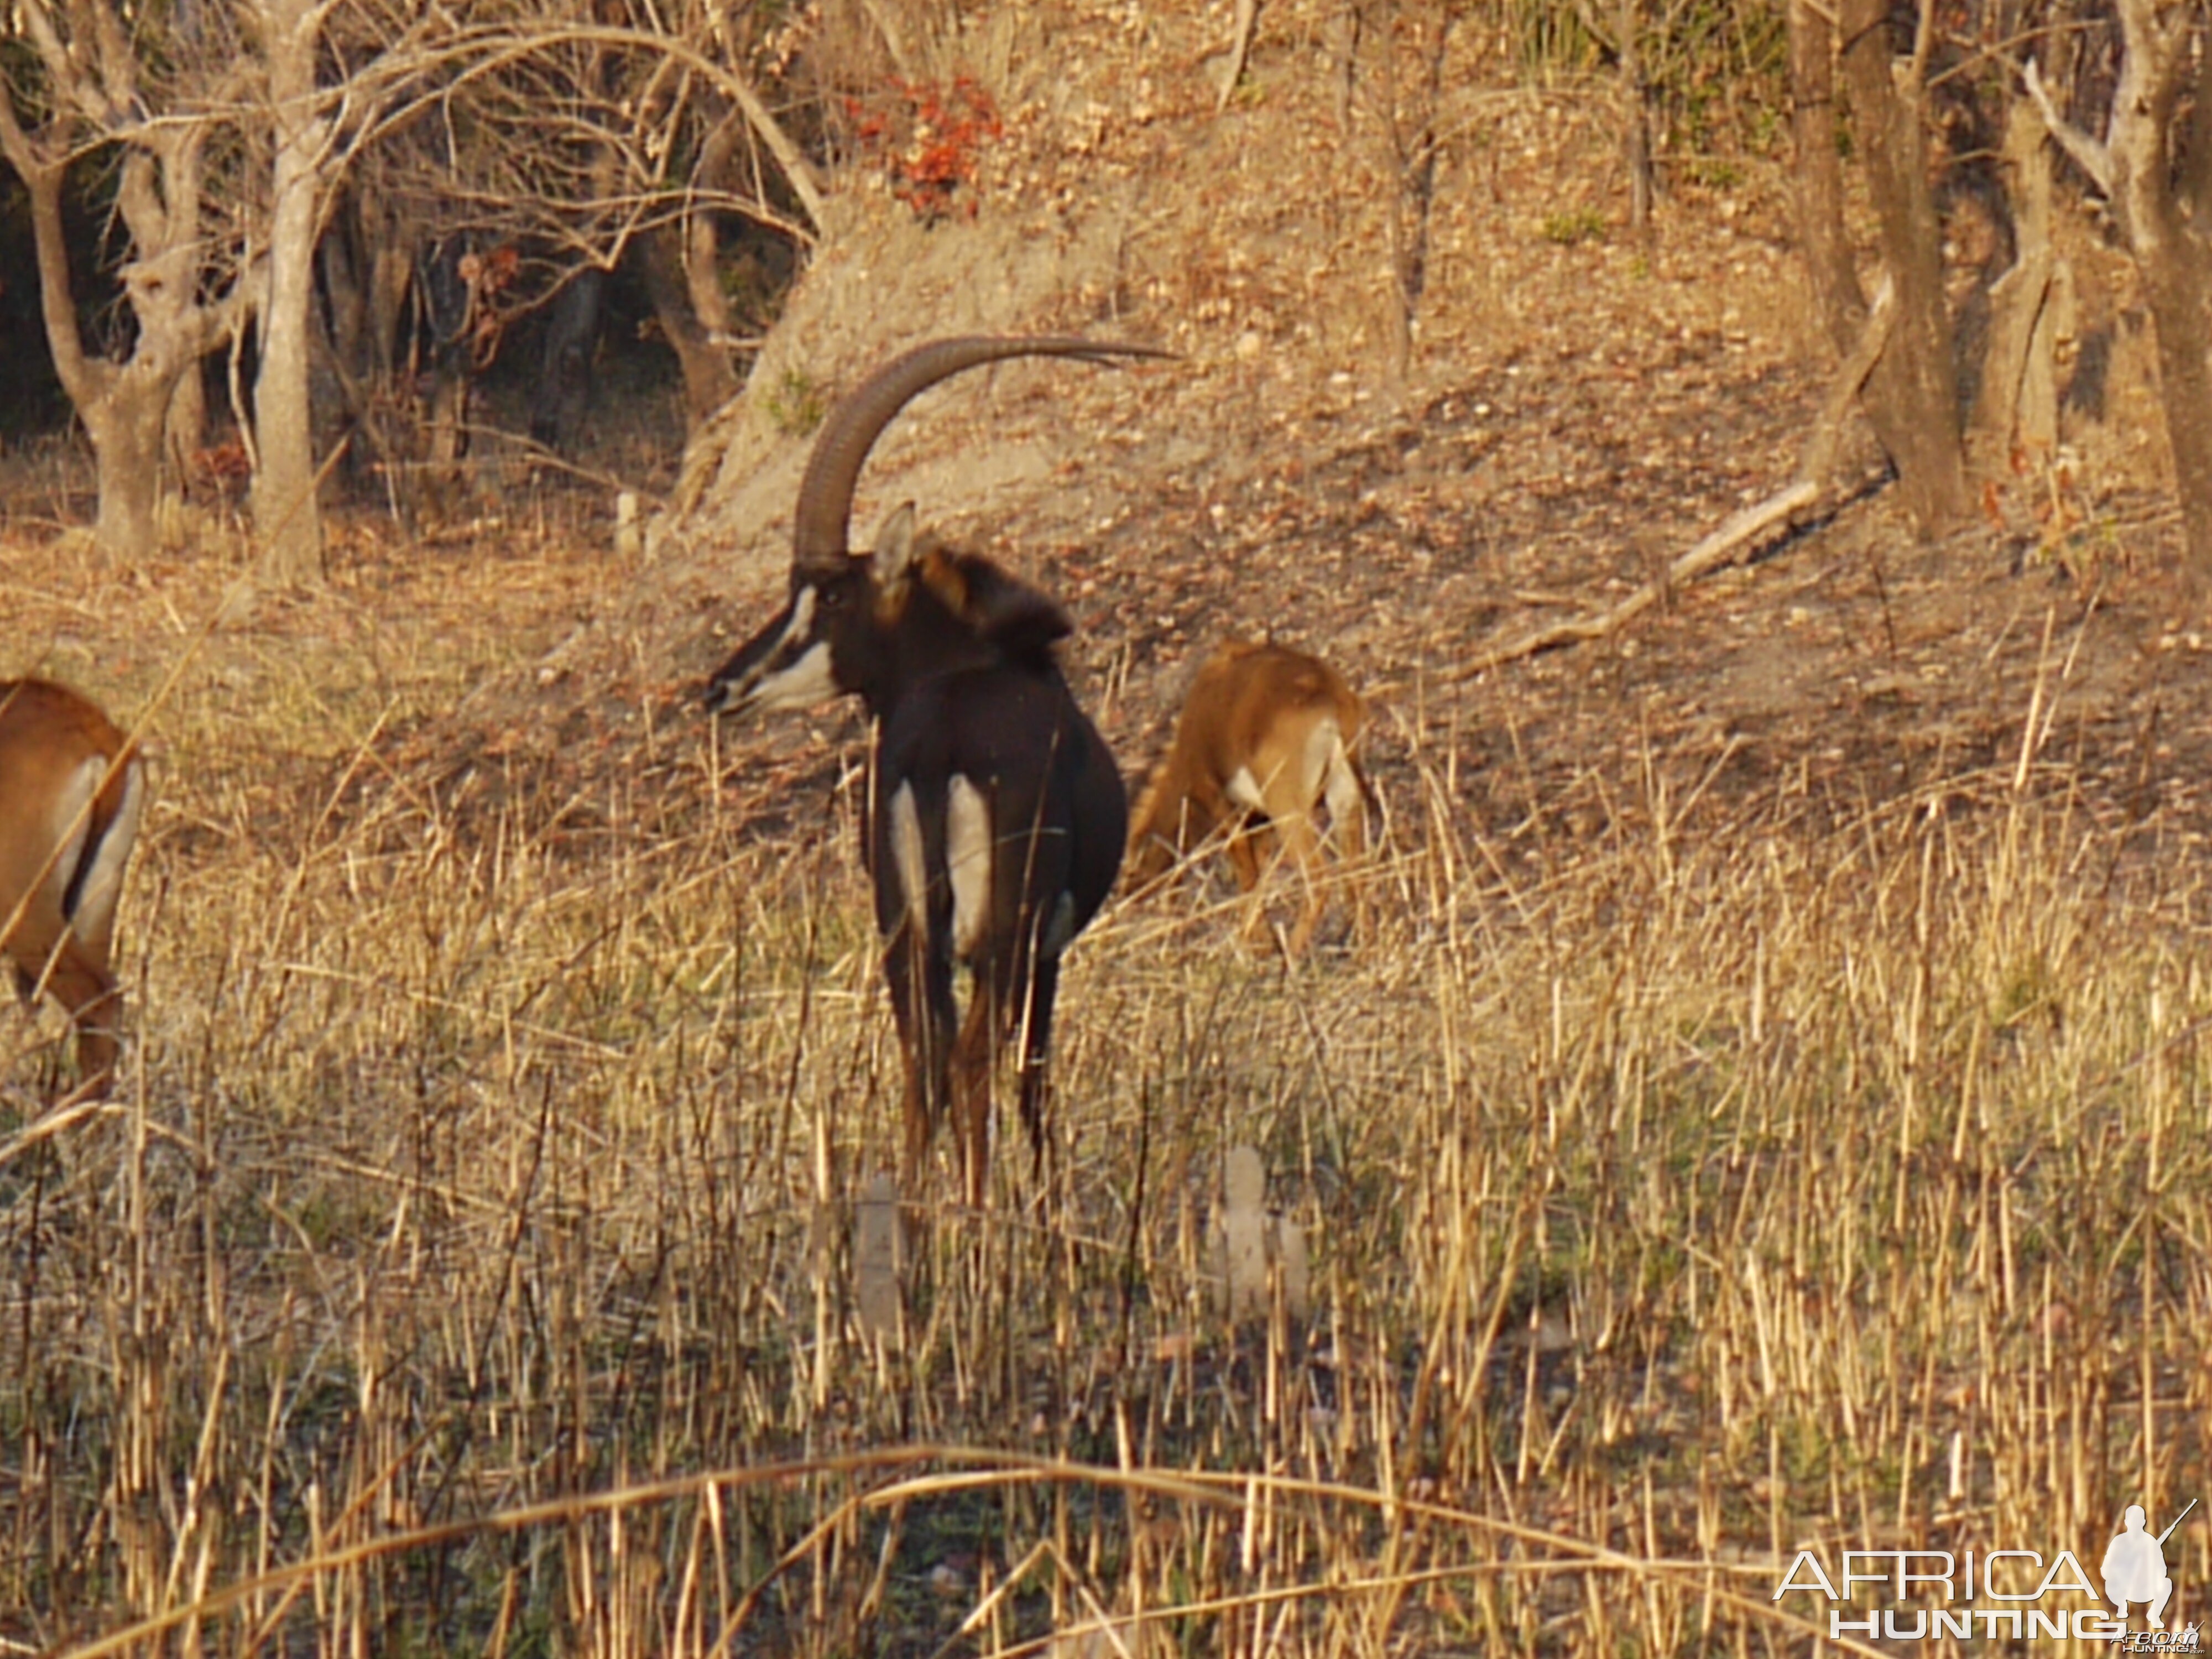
x=1721, y=547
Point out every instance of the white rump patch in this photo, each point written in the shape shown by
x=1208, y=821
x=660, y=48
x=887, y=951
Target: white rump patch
x=906, y=860
x=1344, y=802
x=1324, y=750
x=103, y=882
x=968, y=863
x=70, y=823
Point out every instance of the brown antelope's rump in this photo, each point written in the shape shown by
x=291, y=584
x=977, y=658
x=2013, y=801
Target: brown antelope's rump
x=997, y=816
x=71, y=790
x=1264, y=741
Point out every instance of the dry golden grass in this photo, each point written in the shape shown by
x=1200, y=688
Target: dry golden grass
x=463, y=1267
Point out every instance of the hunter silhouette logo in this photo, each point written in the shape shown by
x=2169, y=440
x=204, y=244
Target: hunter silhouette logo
x=2001, y=1595
x=2135, y=1565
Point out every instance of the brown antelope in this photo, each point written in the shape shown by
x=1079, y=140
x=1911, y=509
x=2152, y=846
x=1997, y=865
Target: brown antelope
x=996, y=815
x=71, y=788
x=1263, y=742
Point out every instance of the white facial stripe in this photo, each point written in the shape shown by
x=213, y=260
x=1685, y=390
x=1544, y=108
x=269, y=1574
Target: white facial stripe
x=802, y=614
x=806, y=680
x=906, y=860
x=968, y=863
x=805, y=683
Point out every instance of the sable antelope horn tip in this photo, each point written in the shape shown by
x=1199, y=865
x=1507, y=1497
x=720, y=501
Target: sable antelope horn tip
x=821, y=521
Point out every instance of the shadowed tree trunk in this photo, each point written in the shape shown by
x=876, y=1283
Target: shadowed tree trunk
x=1912, y=397
x=708, y=380
x=2163, y=200
x=2155, y=170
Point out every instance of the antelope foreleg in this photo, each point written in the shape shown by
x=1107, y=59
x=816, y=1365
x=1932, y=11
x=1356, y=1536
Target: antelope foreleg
x=1035, y=1035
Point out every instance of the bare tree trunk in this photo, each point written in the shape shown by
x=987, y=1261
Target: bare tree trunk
x=2163, y=207
x=1912, y=398
x=126, y=426
x=287, y=521
x=124, y=406
x=1635, y=108
x=158, y=196
x=1917, y=378
x=2181, y=310
x=709, y=381
x=2019, y=394
x=183, y=430
x=1827, y=251
x=2155, y=169
x=702, y=275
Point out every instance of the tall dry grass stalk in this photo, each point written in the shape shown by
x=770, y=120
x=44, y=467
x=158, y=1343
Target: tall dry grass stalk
x=465, y=1268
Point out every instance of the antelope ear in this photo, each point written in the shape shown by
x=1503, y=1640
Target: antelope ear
x=896, y=546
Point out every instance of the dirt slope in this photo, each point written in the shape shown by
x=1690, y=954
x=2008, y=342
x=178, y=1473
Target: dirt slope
x=1578, y=404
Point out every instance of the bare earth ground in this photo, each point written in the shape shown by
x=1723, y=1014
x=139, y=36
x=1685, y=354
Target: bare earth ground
x=1844, y=665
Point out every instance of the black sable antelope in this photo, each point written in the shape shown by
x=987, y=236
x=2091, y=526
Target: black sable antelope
x=997, y=817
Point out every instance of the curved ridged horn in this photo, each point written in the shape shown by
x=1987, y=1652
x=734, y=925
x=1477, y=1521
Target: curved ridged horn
x=823, y=517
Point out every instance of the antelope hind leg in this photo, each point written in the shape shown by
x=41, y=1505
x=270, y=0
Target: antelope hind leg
x=921, y=1002
x=95, y=1006
x=971, y=1094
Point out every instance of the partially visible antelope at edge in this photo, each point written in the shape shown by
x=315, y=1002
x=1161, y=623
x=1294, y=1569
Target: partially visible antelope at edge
x=996, y=813
x=1264, y=741
x=71, y=790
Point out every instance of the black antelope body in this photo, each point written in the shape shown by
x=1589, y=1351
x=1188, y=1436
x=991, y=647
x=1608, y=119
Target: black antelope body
x=71, y=788
x=1264, y=741
x=997, y=816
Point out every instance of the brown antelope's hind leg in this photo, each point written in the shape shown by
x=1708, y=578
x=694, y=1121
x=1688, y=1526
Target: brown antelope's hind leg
x=1347, y=797
x=90, y=997
x=1247, y=848
x=93, y=1000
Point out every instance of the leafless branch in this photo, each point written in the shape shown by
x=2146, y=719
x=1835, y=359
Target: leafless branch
x=2091, y=157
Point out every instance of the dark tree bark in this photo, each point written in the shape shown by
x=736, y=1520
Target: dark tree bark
x=2163, y=200
x=2155, y=170
x=1813, y=115
x=1912, y=396
x=709, y=381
